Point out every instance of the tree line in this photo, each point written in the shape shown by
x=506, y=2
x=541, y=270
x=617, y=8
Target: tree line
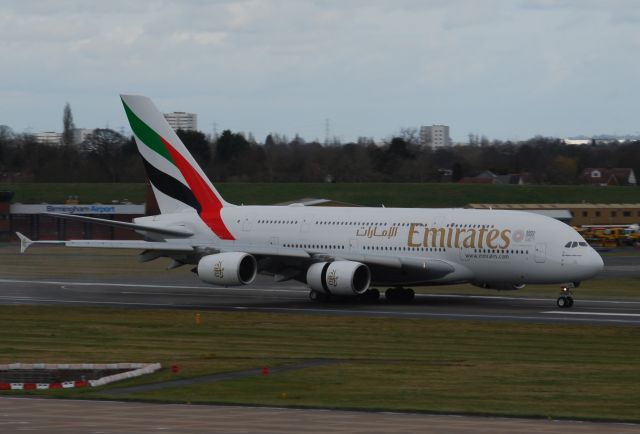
x=108, y=156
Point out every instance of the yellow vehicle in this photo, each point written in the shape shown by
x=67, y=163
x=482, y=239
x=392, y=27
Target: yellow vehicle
x=610, y=236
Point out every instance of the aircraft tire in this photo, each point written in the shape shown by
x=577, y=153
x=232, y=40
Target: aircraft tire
x=372, y=295
x=408, y=295
x=562, y=302
x=391, y=295
x=569, y=302
x=318, y=296
x=399, y=295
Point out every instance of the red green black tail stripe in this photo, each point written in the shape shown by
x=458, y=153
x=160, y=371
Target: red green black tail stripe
x=200, y=196
x=170, y=186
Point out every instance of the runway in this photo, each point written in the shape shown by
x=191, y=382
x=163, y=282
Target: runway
x=180, y=289
x=186, y=292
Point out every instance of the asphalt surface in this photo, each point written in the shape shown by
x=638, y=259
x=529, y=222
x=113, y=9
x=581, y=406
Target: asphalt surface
x=71, y=417
x=185, y=291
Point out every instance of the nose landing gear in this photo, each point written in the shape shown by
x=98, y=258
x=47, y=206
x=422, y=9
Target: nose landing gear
x=565, y=301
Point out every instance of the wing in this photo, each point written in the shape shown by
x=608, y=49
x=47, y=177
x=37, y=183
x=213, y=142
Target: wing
x=288, y=263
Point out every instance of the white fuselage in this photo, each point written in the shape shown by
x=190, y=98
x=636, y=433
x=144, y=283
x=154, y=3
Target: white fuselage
x=409, y=246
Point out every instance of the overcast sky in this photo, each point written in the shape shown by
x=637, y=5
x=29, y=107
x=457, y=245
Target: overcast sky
x=506, y=69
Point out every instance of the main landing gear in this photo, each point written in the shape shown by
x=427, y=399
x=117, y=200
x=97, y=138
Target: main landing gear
x=399, y=295
x=318, y=296
x=372, y=295
x=565, y=301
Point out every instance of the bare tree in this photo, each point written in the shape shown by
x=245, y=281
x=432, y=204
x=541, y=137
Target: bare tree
x=104, y=146
x=410, y=135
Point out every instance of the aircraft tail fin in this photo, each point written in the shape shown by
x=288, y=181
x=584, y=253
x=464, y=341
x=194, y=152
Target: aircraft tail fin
x=178, y=183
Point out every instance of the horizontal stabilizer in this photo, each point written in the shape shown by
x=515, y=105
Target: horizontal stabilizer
x=128, y=244
x=166, y=246
x=172, y=232
x=25, y=242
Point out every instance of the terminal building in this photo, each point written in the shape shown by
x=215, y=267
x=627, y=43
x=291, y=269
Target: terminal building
x=576, y=214
x=30, y=220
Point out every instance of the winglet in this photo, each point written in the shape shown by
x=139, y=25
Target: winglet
x=24, y=242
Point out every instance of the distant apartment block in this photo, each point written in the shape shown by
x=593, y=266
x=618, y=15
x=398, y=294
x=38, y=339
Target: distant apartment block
x=578, y=142
x=435, y=136
x=182, y=120
x=48, y=138
x=81, y=134
x=53, y=138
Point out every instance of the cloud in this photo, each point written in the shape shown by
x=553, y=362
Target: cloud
x=371, y=66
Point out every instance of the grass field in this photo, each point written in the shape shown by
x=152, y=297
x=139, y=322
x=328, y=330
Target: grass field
x=586, y=372
x=369, y=194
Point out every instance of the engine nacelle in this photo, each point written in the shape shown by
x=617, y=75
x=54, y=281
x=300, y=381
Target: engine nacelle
x=228, y=269
x=502, y=286
x=339, y=277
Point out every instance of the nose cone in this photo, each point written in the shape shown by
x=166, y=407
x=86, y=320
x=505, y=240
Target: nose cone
x=592, y=264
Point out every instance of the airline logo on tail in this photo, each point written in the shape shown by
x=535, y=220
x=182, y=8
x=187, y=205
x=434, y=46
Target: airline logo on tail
x=196, y=193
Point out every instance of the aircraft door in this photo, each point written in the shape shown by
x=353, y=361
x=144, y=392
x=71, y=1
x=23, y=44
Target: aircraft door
x=306, y=223
x=274, y=243
x=353, y=245
x=541, y=253
x=246, y=223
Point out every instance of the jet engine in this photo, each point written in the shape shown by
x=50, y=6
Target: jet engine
x=502, y=286
x=339, y=277
x=228, y=269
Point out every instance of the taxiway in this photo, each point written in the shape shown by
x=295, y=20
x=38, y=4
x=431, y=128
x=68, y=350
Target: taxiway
x=70, y=417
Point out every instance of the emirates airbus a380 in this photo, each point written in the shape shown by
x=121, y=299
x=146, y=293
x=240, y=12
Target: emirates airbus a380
x=337, y=252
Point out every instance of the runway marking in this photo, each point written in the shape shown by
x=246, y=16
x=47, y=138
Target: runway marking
x=143, y=285
x=53, y=300
x=293, y=289
x=592, y=313
x=502, y=297
x=540, y=316
x=326, y=311
x=424, y=314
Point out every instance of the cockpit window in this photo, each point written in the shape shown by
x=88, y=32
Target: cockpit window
x=572, y=244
